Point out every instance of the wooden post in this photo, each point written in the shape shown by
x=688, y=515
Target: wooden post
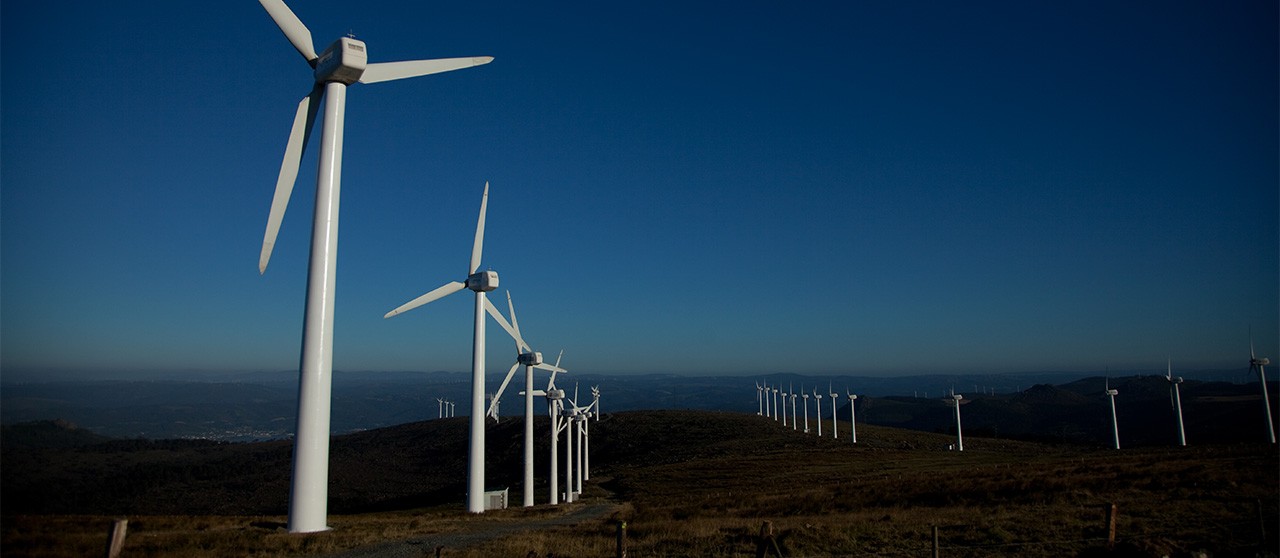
x=622, y=539
x=935, y=542
x=115, y=537
x=1111, y=526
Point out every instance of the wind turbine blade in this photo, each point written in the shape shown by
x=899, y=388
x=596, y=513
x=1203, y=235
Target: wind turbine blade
x=387, y=71
x=303, y=120
x=493, y=405
x=558, y=357
x=294, y=30
x=440, y=292
x=497, y=317
x=478, y=246
x=552, y=368
x=515, y=324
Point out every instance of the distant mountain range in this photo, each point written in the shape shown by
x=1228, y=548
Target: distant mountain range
x=1219, y=406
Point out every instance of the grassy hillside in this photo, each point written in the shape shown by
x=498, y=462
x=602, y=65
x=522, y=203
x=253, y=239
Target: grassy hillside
x=690, y=483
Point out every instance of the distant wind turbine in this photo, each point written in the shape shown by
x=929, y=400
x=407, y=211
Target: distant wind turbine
x=480, y=282
x=1256, y=363
x=530, y=359
x=784, y=410
x=1115, y=426
x=818, y=397
x=759, y=399
x=343, y=63
x=793, y=407
x=805, y=396
x=1175, y=398
x=955, y=398
x=853, y=422
x=775, y=403
x=834, y=397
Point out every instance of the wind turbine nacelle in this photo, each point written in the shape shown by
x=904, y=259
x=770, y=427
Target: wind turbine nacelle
x=555, y=394
x=483, y=281
x=1112, y=392
x=1264, y=361
x=530, y=359
x=344, y=61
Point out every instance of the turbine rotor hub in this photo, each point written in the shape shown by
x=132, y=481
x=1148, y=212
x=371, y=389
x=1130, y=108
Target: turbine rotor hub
x=483, y=281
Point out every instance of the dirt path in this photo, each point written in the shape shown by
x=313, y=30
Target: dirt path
x=419, y=547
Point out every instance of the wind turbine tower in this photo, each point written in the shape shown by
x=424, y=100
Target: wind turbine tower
x=805, y=396
x=794, y=422
x=343, y=63
x=1115, y=426
x=775, y=403
x=1256, y=363
x=479, y=282
x=955, y=398
x=818, y=397
x=784, y=411
x=759, y=399
x=1175, y=397
x=853, y=422
x=834, y=398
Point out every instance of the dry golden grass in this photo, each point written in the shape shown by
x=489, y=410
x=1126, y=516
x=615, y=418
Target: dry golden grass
x=708, y=495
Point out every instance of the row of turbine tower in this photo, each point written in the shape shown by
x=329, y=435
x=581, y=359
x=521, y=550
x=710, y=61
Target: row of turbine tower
x=768, y=406
x=445, y=408
x=765, y=394
x=344, y=63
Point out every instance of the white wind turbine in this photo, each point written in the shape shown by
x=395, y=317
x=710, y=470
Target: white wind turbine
x=775, y=403
x=759, y=399
x=481, y=283
x=805, y=396
x=1115, y=426
x=792, y=406
x=343, y=63
x=784, y=410
x=530, y=359
x=817, y=397
x=834, y=398
x=955, y=400
x=1256, y=363
x=555, y=398
x=1175, y=397
x=440, y=409
x=853, y=422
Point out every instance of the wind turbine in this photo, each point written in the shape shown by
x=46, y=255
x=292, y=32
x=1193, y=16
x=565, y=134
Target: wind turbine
x=1175, y=398
x=555, y=398
x=1115, y=426
x=759, y=399
x=440, y=408
x=792, y=406
x=818, y=397
x=784, y=411
x=775, y=403
x=343, y=63
x=834, y=397
x=1256, y=363
x=853, y=422
x=955, y=397
x=530, y=359
x=481, y=283
x=805, y=396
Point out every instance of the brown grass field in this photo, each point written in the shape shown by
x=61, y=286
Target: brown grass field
x=700, y=484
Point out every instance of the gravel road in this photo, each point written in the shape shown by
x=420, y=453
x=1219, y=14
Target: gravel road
x=419, y=547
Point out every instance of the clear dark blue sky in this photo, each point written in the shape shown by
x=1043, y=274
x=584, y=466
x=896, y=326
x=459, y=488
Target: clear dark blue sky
x=813, y=187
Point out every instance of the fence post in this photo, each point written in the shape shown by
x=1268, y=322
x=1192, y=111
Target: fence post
x=115, y=537
x=1111, y=526
x=935, y=541
x=622, y=539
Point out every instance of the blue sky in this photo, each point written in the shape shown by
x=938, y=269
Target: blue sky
x=831, y=187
